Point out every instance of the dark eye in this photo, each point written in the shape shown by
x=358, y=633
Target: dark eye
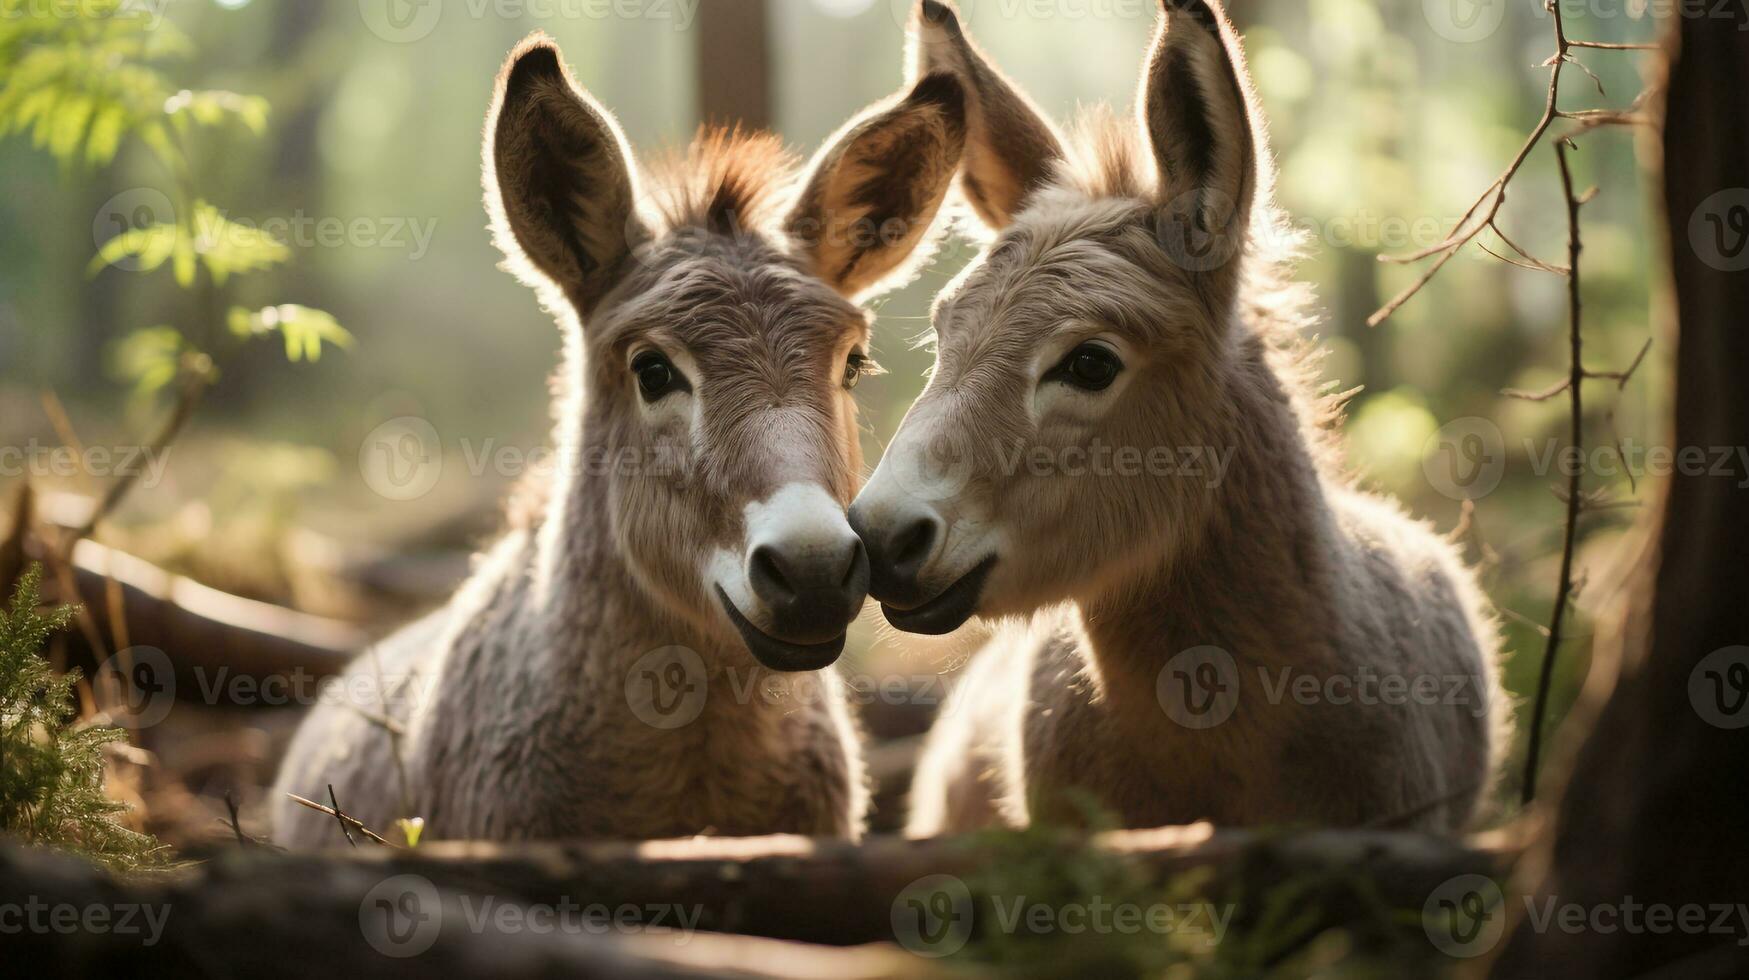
x=1090, y=367
x=855, y=366
x=656, y=376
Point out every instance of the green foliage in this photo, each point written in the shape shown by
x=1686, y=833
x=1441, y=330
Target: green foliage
x=81, y=77
x=1256, y=917
x=305, y=330
x=51, y=769
x=224, y=247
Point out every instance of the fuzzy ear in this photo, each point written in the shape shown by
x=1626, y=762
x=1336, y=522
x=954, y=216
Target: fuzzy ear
x=559, y=180
x=1197, y=111
x=874, y=189
x=1011, y=148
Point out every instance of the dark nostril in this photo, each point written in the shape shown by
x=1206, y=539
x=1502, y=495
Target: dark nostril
x=912, y=545
x=767, y=576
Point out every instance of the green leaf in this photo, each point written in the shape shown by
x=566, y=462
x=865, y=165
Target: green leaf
x=228, y=248
x=148, y=248
x=305, y=330
x=149, y=359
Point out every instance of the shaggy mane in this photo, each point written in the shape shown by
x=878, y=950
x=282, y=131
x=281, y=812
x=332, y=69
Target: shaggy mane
x=726, y=180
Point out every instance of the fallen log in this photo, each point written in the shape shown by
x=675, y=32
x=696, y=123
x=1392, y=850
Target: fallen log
x=830, y=892
x=323, y=918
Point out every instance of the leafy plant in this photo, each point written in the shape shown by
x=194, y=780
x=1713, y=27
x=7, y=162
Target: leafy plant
x=51, y=769
x=81, y=79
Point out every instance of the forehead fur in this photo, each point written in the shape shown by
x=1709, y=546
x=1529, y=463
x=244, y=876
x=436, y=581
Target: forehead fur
x=730, y=297
x=1106, y=157
x=726, y=181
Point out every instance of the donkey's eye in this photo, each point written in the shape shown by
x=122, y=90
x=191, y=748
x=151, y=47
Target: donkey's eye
x=1090, y=367
x=855, y=366
x=656, y=376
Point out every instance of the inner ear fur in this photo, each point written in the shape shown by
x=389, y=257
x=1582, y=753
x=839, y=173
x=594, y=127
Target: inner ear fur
x=1012, y=149
x=1197, y=114
x=873, y=191
x=560, y=179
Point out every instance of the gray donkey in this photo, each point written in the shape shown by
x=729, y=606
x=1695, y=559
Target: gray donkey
x=644, y=657
x=1119, y=440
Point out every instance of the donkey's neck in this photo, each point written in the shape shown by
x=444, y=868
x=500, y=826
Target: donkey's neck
x=1257, y=581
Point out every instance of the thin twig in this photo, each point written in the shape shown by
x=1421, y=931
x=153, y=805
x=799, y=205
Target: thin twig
x=236, y=824
x=341, y=817
x=1575, y=391
x=194, y=386
x=1493, y=198
x=345, y=819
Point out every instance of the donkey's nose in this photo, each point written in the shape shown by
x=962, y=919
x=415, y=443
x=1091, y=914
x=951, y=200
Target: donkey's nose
x=898, y=549
x=812, y=589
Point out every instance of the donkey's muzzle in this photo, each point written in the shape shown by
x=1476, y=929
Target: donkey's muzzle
x=810, y=594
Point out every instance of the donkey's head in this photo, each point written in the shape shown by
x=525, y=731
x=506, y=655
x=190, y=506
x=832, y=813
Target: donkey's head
x=713, y=339
x=1092, y=340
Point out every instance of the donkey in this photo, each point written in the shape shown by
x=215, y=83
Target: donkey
x=1214, y=601
x=643, y=658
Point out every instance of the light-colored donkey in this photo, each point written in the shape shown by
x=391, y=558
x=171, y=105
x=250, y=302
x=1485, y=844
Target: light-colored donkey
x=609, y=669
x=1119, y=437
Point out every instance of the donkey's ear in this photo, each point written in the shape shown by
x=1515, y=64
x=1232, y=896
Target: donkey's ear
x=873, y=191
x=1011, y=149
x=559, y=179
x=1197, y=110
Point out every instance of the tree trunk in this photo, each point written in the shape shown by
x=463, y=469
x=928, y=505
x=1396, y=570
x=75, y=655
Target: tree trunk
x=734, y=64
x=1653, y=813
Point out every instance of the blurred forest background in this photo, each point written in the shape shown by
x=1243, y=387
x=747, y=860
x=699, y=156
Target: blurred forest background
x=1388, y=118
